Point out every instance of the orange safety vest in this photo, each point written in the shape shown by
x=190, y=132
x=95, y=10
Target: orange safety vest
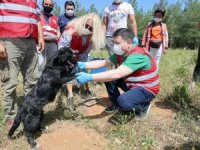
x=49, y=28
x=18, y=18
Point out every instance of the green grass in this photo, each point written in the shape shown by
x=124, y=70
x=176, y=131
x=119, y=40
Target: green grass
x=175, y=70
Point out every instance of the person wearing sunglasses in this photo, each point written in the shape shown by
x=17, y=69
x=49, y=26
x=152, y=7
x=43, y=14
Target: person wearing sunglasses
x=82, y=34
x=69, y=14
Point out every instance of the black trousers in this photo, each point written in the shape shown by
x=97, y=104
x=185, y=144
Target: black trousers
x=196, y=73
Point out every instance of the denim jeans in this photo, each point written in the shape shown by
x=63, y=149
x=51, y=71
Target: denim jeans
x=136, y=98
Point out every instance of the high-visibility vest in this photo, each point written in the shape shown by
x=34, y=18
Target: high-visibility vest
x=49, y=28
x=18, y=18
x=146, y=78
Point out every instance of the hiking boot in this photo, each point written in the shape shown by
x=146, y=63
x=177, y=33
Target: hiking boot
x=144, y=113
x=70, y=101
x=9, y=123
x=111, y=109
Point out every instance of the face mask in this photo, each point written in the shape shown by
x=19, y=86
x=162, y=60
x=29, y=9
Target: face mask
x=118, y=49
x=117, y=1
x=47, y=9
x=86, y=32
x=69, y=12
x=157, y=19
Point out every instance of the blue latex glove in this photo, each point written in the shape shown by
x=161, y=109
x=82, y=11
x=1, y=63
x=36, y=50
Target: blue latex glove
x=82, y=65
x=135, y=40
x=83, y=77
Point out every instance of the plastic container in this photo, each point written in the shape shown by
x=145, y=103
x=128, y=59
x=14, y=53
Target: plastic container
x=98, y=70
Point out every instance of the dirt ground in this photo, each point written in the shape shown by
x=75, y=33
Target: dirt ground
x=77, y=137
x=74, y=135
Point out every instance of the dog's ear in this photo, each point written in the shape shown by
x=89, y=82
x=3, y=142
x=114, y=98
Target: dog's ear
x=56, y=54
x=63, y=56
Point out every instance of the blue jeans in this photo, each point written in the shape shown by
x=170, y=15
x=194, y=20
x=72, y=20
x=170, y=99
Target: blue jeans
x=136, y=98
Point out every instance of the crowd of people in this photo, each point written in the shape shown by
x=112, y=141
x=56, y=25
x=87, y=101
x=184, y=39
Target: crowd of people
x=29, y=37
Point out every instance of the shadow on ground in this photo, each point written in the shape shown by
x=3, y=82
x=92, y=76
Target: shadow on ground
x=101, y=113
x=176, y=107
x=186, y=146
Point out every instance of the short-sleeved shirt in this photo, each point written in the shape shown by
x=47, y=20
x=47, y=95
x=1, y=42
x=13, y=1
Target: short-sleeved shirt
x=156, y=33
x=134, y=61
x=63, y=20
x=117, y=16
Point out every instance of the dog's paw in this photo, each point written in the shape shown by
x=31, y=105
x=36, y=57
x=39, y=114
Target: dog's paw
x=43, y=128
x=35, y=146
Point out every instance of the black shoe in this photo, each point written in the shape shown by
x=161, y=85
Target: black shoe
x=111, y=109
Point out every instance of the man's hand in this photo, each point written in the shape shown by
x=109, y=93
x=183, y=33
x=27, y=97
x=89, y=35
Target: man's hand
x=135, y=40
x=83, y=77
x=3, y=53
x=81, y=65
x=164, y=50
x=41, y=44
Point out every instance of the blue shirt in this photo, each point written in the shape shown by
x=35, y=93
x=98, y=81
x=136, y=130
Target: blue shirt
x=63, y=21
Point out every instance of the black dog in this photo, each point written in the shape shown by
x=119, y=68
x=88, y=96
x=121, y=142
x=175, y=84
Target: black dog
x=60, y=69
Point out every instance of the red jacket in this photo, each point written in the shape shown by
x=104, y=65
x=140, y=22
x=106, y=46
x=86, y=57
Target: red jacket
x=18, y=18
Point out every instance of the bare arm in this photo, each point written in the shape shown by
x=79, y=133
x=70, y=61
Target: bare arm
x=105, y=23
x=133, y=24
x=66, y=38
x=3, y=53
x=98, y=64
x=111, y=75
x=40, y=36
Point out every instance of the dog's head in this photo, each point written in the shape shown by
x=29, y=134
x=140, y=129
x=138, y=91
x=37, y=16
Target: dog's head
x=63, y=61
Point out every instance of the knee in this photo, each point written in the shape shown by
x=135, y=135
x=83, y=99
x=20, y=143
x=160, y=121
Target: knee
x=122, y=103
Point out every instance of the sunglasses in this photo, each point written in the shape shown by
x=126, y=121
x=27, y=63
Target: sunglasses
x=89, y=27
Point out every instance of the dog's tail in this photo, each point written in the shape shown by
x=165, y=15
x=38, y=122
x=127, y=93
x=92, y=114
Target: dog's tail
x=16, y=123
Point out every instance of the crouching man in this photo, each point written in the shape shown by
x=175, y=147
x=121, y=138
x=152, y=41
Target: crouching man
x=136, y=75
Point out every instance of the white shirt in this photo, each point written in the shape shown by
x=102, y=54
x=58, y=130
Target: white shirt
x=117, y=16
